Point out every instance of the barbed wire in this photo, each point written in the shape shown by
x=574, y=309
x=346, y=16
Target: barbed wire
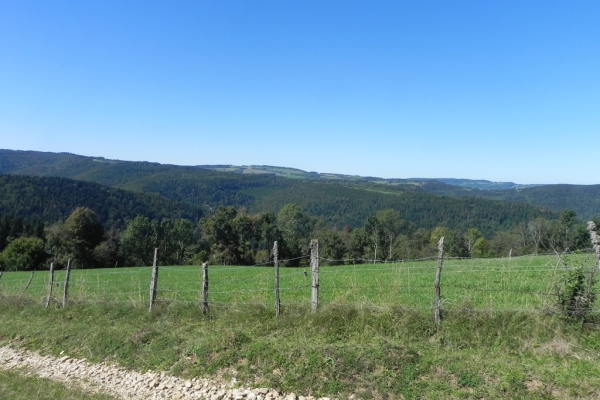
x=349, y=261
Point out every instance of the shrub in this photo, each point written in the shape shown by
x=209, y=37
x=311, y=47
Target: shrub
x=24, y=253
x=576, y=296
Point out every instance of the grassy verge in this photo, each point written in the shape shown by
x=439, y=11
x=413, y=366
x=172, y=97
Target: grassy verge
x=336, y=351
x=16, y=386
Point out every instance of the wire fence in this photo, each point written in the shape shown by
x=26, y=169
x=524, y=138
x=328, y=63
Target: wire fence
x=524, y=284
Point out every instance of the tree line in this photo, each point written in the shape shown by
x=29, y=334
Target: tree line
x=233, y=236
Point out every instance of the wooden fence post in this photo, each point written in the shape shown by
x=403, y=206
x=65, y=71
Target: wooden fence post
x=66, y=288
x=314, y=264
x=204, y=288
x=50, y=285
x=591, y=227
x=28, y=283
x=276, y=266
x=437, y=316
x=154, y=280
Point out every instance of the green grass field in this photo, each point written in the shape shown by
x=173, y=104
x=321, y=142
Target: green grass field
x=521, y=283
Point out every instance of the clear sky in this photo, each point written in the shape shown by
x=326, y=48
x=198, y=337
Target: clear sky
x=499, y=90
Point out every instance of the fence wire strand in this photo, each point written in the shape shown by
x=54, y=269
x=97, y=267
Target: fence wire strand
x=500, y=285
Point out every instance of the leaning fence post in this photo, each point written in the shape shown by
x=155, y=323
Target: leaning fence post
x=66, y=288
x=28, y=283
x=276, y=266
x=154, y=280
x=50, y=284
x=204, y=288
x=591, y=227
x=314, y=265
x=438, y=277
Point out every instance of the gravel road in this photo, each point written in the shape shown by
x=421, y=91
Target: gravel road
x=126, y=384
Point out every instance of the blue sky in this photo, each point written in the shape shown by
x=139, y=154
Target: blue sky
x=498, y=90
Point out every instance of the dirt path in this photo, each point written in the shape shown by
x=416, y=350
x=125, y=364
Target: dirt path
x=125, y=384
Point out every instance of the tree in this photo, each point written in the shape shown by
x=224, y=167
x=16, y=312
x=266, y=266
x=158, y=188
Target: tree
x=358, y=243
x=566, y=222
x=454, y=246
x=538, y=230
x=502, y=244
x=163, y=239
x=24, y=253
x=182, y=237
x=581, y=238
x=248, y=236
x=373, y=233
x=138, y=241
x=266, y=226
x=108, y=252
x=480, y=248
x=83, y=232
x=220, y=234
x=437, y=233
x=295, y=228
x=471, y=237
x=56, y=243
x=332, y=245
x=415, y=244
x=390, y=224
x=561, y=232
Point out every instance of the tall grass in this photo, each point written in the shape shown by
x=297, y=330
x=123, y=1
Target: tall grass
x=337, y=351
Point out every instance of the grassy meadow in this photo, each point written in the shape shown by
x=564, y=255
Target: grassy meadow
x=519, y=283
x=373, y=335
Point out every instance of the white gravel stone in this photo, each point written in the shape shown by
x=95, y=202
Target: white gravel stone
x=130, y=385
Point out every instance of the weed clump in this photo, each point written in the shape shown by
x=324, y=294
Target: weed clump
x=575, y=298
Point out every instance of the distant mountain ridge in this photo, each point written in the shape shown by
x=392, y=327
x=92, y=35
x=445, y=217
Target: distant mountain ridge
x=23, y=166
x=480, y=184
x=286, y=172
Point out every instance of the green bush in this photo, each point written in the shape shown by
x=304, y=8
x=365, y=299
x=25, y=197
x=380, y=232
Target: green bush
x=577, y=294
x=23, y=254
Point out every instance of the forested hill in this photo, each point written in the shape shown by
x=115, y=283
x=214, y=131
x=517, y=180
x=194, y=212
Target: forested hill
x=197, y=186
x=339, y=202
x=51, y=199
x=583, y=199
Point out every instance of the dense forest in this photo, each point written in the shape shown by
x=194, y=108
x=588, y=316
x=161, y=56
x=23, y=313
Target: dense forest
x=50, y=200
x=584, y=199
x=339, y=205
